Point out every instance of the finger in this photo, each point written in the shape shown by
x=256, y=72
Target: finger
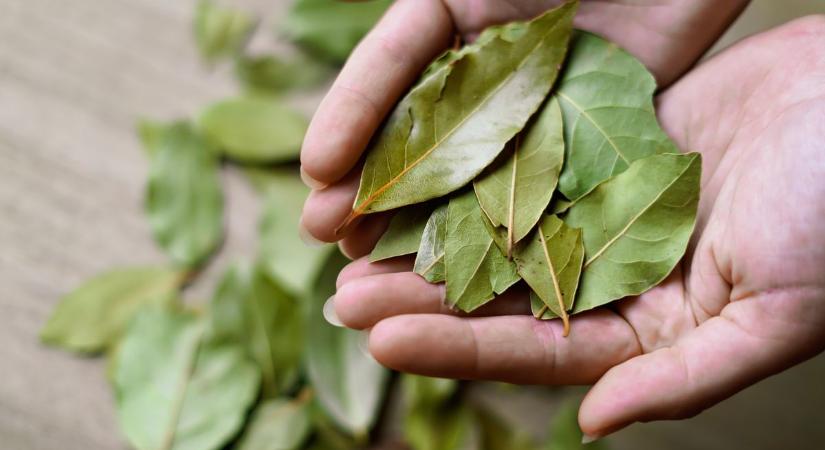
x=516, y=349
x=719, y=358
x=365, y=235
x=365, y=301
x=325, y=209
x=383, y=65
x=362, y=267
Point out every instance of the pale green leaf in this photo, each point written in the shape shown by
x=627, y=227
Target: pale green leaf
x=176, y=390
x=93, y=317
x=219, y=31
x=403, y=236
x=278, y=424
x=254, y=129
x=274, y=75
x=459, y=117
x=150, y=133
x=636, y=227
x=249, y=308
x=349, y=384
x=516, y=193
x=184, y=201
x=429, y=262
x=606, y=99
x=475, y=269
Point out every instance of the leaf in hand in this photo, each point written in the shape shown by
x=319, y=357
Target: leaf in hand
x=429, y=262
x=251, y=309
x=636, y=227
x=475, y=269
x=93, y=317
x=177, y=390
x=460, y=115
x=606, y=99
x=278, y=424
x=516, y=193
x=183, y=197
x=254, y=129
x=551, y=262
x=403, y=236
x=221, y=32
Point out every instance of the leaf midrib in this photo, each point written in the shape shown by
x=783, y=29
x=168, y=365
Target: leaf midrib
x=595, y=124
x=177, y=406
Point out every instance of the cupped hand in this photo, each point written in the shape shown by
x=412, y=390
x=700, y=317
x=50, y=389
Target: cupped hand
x=666, y=35
x=747, y=301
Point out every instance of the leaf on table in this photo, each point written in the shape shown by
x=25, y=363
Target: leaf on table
x=565, y=433
x=221, y=32
x=177, y=390
x=636, y=227
x=403, y=236
x=278, y=424
x=429, y=262
x=287, y=259
x=349, y=384
x=271, y=74
x=516, y=193
x=475, y=269
x=606, y=99
x=150, y=132
x=330, y=29
x=184, y=201
x=94, y=316
x=254, y=129
x=251, y=309
x=432, y=421
x=551, y=262
x=459, y=116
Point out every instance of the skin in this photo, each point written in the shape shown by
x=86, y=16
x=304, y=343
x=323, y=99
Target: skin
x=747, y=301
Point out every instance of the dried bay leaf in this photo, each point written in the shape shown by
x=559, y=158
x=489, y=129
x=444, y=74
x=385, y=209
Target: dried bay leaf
x=403, y=236
x=551, y=262
x=474, y=268
x=460, y=115
x=606, y=99
x=278, y=424
x=184, y=202
x=429, y=262
x=177, y=390
x=94, y=316
x=254, y=129
x=269, y=74
x=219, y=31
x=516, y=193
x=251, y=309
x=636, y=227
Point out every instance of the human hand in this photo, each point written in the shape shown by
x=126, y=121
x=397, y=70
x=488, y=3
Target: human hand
x=747, y=301
x=666, y=35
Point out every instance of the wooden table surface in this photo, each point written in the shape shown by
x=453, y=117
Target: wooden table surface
x=74, y=75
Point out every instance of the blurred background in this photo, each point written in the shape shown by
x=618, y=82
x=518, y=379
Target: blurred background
x=74, y=77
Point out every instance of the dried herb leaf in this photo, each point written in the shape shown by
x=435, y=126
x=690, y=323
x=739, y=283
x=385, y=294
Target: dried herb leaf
x=551, y=262
x=636, y=227
x=278, y=424
x=219, y=31
x=254, y=129
x=606, y=99
x=515, y=194
x=251, y=309
x=429, y=263
x=93, y=317
x=183, y=197
x=403, y=236
x=457, y=119
x=475, y=269
x=176, y=390
x=270, y=74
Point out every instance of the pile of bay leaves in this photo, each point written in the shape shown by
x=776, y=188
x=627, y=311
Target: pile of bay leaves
x=533, y=154
x=257, y=367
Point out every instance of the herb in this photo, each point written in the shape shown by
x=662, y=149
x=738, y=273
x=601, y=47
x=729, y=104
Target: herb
x=279, y=424
x=429, y=262
x=403, y=236
x=221, y=32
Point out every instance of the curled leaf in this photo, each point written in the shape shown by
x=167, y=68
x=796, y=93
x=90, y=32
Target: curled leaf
x=429, y=262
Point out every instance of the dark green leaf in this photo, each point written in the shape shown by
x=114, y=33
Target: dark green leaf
x=183, y=199
x=93, y=317
x=278, y=424
x=275, y=75
x=221, y=32
x=403, y=236
x=429, y=263
x=254, y=129
x=606, y=99
x=636, y=227
x=176, y=390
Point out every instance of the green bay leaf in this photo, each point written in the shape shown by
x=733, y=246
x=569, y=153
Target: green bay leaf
x=278, y=424
x=220, y=31
x=475, y=270
x=429, y=262
x=459, y=117
x=177, y=390
x=94, y=316
x=636, y=227
x=516, y=193
x=269, y=74
x=606, y=99
x=403, y=236
x=254, y=129
x=184, y=201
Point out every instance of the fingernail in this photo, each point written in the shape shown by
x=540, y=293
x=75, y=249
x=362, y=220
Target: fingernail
x=329, y=313
x=586, y=438
x=312, y=183
x=364, y=342
x=307, y=237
